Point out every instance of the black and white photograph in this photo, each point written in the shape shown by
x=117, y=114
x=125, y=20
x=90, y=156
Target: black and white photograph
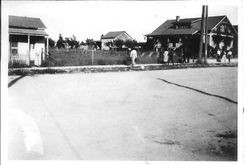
x=139, y=81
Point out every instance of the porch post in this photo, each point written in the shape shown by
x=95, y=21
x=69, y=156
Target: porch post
x=29, y=49
x=232, y=43
x=47, y=52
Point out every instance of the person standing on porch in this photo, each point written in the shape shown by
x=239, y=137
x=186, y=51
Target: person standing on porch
x=229, y=54
x=218, y=55
x=165, y=56
x=171, y=56
x=158, y=49
x=224, y=59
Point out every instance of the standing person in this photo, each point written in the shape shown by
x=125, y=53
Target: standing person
x=158, y=49
x=165, y=56
x=229, y=54
x=187, y=55
x=218, y=55
x=224, y=59
x=170, y=56
x=133, y=56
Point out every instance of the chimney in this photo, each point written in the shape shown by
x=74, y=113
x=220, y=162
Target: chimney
x=177, y=18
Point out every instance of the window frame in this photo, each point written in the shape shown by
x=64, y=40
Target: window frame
x=14, y=46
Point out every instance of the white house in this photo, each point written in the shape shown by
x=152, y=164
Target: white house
x=28, y=42
x=115, y=35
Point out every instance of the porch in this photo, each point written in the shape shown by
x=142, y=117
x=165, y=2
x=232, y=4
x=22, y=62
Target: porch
x=27, y=50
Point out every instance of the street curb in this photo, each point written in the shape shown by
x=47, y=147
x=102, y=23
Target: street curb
x=111, y=68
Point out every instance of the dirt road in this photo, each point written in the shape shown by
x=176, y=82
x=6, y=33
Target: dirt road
x=185, y=114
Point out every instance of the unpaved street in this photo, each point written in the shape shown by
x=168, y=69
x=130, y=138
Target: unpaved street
x=184, y=114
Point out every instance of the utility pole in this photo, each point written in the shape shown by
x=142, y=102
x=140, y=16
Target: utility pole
x=202, y=35
x=206, y=36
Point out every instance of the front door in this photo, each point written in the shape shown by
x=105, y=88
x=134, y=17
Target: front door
x=32, y=54
x=36, y=51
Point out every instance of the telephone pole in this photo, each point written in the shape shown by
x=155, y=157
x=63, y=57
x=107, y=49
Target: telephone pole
x=206, y=36
x=202, y=35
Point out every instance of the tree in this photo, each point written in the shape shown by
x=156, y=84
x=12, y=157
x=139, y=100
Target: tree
x=109, y=44
x=81, y=43
x=67, y=43
x=51, y=43
x=131, y=43
x=90, y=43
x=60, y=42
x=72, y=42
x=118, y=43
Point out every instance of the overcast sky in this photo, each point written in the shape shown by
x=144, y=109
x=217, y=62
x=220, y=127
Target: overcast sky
x=91, y=19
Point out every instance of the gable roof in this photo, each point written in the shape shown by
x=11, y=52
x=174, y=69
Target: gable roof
x=112, y=35
x=26, y=22
x=165, y=28
x=235, y=27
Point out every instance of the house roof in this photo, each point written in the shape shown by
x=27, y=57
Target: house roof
x=235, y=27
x=111, y=35
x=26, y=22
x=195, y=26
x=27, y=31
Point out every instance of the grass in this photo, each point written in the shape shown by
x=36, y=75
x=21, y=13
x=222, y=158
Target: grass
x=99, y=57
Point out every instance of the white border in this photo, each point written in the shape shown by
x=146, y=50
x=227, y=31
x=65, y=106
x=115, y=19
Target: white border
x=243, y=86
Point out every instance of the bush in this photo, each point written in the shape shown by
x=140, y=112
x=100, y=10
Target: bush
x=18, y=65
x=45, y=63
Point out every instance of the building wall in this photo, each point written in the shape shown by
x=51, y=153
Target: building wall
x=104, y=41
x=19, y=49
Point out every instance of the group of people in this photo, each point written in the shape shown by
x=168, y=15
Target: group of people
x=167, y=55
x=167, y=52
x=224, y=54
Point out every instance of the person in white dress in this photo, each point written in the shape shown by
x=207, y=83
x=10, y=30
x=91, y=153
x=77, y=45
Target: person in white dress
x=165, y=56
x=133, y=56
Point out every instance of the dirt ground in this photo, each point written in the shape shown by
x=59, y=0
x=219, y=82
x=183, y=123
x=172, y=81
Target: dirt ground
x=185, y=114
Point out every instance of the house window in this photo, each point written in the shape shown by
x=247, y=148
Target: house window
x=14, y=48
x=222, y=29
x=14, y=44
x=181, y=25
x=14, y=52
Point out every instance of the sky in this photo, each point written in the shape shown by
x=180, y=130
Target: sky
x=91, y=19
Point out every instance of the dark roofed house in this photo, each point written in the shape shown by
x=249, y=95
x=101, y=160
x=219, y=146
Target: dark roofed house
x=115, y=35
x=235, y=27
x=27, y=40
x=186, y=32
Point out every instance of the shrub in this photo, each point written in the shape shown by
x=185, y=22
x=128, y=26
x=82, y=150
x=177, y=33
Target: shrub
x=18, y=65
